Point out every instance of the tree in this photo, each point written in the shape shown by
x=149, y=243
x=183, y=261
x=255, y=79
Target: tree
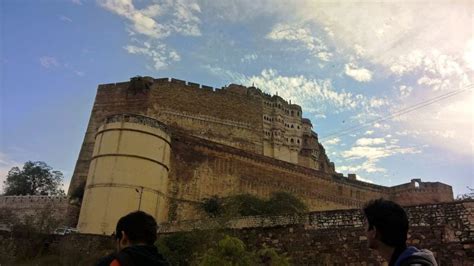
x=279, y=203
x=232, y=251
x=466, y=196
x=36, y=178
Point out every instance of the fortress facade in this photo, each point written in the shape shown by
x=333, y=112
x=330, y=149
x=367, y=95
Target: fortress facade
x=163, y=145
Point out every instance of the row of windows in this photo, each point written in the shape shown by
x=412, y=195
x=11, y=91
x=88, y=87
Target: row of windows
x=271, y=119
x=278, y=134
x=291, y=126
x=287, y=111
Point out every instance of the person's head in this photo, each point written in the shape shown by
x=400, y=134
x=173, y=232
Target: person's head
x=136, y=228
x=387, y=223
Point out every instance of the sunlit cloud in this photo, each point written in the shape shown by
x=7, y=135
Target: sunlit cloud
x=302, y=35
x=358, y=73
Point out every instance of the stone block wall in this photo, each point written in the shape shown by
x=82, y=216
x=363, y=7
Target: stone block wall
x=339, y=238
x=200, y=169
x=22, y=207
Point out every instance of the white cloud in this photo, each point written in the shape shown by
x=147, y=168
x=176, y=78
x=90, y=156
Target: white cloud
x=144, y=21
x=302, y=35
x=370, y=141
x=405, y=91
x=468, y=55
x=366, y=149
x=159, y=53
x=363, y=179
x=77, y=2
x=314, y=95
x=64, y=18
x=369, y=132
x=332, y=141
x=249, y=58
x=225, y=74
x=79, y=73
x=48, y=61
x=358, y=73
x=447, y=124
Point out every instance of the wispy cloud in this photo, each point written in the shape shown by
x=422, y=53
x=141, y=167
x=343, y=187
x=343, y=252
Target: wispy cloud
x=370, y=141
x=358, y=73
x=48, y=62
x=184, y=19
x=371, y=151
x=77, y=2
x=249, y=58
x=315, y=95
x=65, y=19
x=332, y=141
x=159, y=53
x=302, y=35
x=156, y=22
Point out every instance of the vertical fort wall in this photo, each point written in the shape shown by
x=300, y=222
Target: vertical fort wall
x=201, y=169
x=128, y=172
x=417, y=192
x=225, y=141
x=236, y=116
x=18, y=208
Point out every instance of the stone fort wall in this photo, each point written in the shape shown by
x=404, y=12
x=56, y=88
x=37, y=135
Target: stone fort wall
x=241, y=117
x=339, y=237
x=200, y=169
x=24, y=207
x=218, y=147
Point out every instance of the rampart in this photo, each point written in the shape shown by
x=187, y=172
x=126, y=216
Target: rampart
x=237, y=116
x=201, y=169
x=338, y=237
x=25, y=207
x=318, y=238
x=225, y=141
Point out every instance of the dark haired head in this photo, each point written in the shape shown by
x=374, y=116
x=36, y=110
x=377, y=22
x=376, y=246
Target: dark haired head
x=389, y=219
x=139, y=227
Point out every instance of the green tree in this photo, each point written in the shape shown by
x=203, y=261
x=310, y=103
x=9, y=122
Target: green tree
x=212, y=206
x=231, y=251
x=36, y=178
x=281, y=203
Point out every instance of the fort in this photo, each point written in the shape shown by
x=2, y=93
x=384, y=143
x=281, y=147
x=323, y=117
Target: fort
x=163, y=145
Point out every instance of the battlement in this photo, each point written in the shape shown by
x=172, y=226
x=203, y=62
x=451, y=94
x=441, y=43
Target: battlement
x=162, y=81
x=418, y=192
x=137, y=119
x=5, y=200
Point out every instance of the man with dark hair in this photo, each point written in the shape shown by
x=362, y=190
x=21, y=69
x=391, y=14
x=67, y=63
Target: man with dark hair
x=387, y=229
x=135, y=236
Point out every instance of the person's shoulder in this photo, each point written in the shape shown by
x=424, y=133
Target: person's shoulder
x=115, y=262
x=422, y=257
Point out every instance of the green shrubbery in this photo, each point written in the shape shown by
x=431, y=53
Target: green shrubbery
x=214, y=248
x=279, y=203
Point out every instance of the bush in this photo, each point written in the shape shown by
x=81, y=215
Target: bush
x=280, y=203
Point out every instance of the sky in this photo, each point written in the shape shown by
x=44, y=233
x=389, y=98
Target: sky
x=387, y=85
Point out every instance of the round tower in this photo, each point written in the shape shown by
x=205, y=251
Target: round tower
x=128, y=172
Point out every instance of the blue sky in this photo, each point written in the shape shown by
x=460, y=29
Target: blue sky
x=346, y=64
